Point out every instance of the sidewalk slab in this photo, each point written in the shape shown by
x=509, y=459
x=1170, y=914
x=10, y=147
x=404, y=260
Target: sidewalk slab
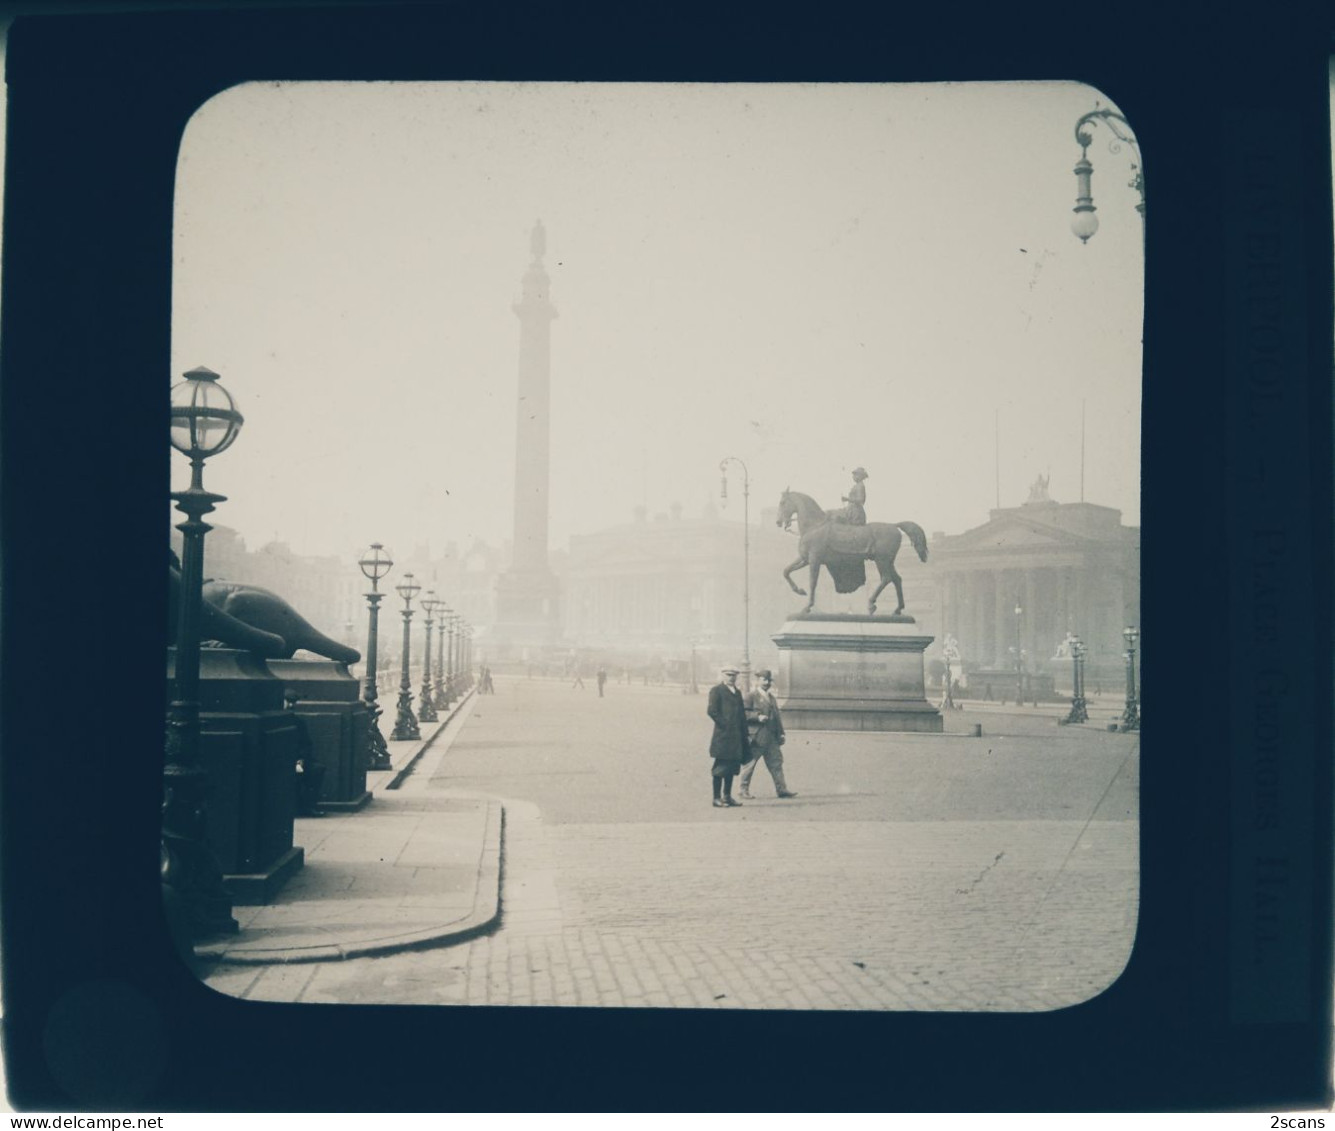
x=417, y=867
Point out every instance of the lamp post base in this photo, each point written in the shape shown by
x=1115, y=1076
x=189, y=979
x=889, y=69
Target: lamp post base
x=426, y=709
x=1078, y=713
x=376, y=750
x=405, y=725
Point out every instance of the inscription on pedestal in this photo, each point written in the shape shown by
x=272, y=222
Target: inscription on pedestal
x=854, y=673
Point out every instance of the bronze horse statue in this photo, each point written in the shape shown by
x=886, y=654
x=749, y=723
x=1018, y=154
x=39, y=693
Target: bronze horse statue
x=845, y=550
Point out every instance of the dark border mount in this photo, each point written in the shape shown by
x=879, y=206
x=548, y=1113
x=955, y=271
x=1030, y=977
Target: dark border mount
x=97, y=104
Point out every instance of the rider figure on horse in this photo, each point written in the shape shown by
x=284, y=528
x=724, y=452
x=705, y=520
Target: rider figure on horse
x=853, y=514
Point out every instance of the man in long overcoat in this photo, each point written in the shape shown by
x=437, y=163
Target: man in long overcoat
x=729, y=747
x=766, y=734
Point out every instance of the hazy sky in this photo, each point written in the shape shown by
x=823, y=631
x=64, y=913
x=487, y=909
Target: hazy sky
x=809, y=277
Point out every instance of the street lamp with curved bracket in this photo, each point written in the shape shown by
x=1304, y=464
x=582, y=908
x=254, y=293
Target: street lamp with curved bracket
x=1086, y=223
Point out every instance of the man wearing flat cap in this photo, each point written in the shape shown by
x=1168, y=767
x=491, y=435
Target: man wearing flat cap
x=766, y=735
x=729, y=747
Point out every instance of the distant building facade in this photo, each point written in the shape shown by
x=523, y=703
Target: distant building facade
x=1068, y=567
x=667, y=587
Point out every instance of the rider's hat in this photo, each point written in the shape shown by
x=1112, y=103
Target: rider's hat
x=860, y=471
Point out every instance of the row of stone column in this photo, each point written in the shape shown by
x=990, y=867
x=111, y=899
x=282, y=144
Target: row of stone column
x=978, y=609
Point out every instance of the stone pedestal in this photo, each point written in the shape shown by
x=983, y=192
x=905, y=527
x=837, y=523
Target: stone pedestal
x=528, y=617
x=337, y=723
x=851, y=672
x=248, y=747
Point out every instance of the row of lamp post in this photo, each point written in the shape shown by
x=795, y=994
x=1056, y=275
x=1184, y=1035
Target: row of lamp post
x=1079, y=712
x=438, y=691
x=204, y=422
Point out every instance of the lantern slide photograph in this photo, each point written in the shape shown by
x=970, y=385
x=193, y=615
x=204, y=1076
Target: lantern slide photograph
x=626, y=386
x=547, y=432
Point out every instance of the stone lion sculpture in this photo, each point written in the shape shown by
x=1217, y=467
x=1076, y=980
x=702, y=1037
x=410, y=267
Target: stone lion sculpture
x=256, y=620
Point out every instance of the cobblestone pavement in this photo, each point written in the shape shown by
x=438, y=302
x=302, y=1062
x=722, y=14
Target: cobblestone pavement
x=913, y=872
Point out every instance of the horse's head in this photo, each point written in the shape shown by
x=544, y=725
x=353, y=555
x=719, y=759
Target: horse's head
x=787, y=509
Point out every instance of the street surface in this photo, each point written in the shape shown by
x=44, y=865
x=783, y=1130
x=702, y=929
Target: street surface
x=941, y=872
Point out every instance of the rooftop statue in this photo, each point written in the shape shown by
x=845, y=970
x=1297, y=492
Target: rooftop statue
x=845, y=549
x=1038, y=490
x=256, y=620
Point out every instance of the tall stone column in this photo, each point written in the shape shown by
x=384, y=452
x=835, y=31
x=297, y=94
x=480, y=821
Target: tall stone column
x=527, y=612
x=980, y=593
x=1005, y=630
x=1031, y=616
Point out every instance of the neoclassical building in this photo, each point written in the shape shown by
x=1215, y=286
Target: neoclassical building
x=663, y=585
x=1067, y=567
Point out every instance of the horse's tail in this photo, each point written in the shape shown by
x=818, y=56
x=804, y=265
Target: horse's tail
x=916, y=536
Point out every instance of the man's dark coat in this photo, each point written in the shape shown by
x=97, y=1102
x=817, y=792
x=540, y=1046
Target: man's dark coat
x=728, y=710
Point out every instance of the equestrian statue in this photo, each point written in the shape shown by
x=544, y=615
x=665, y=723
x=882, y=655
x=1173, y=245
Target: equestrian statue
x=845, y=548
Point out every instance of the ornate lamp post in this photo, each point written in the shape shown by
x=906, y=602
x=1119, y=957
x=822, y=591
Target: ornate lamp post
x=1131, y=716
x=450, y=674
x=1086, y=223
x=695, y=685
x=405, y=725
x=950, y=654
x=204, y=422
x=442, y=699
x=375, y=564
x=746, y=560
x=1079, y=709
x=426, y=705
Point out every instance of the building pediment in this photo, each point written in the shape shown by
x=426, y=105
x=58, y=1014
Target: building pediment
x=1012, y=532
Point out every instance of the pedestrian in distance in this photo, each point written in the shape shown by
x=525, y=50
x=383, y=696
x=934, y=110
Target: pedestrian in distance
x=730, y=746
x=765, y=733
x=602, y=680
x=579, y=680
